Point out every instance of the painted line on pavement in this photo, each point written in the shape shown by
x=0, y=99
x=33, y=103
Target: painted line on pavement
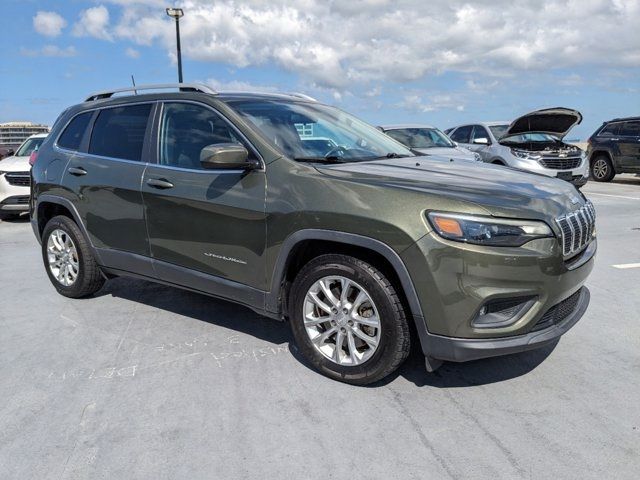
x=624, y=266
x=614, y=196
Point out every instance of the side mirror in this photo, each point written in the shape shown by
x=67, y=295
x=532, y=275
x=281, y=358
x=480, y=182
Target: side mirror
x=10, y=152
x=228, y=156
x=481, y=141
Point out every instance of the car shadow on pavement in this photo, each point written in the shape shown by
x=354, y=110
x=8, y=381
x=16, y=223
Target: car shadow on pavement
x=199, y=307
x=242, y=319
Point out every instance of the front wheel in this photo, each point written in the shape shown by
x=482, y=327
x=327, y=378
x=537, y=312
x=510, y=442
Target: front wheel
x=68, y=259
x=348, y=320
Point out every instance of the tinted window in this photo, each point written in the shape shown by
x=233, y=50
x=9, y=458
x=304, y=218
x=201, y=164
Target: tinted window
x=119, y=132
x=462, y=134
x=420, y=137
x=186, y=129
x=630, y=129
x=609, y=130
x=72, y=135
x=480, y=132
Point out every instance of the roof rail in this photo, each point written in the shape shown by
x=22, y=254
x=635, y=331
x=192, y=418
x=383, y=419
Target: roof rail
x=303, y=96
x=183, y=87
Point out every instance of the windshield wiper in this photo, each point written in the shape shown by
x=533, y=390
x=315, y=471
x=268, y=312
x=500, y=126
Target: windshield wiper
x=331, y=159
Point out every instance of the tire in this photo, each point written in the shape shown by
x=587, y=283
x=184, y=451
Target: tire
x=365, y=363
x=88, y=278
x=602, y=169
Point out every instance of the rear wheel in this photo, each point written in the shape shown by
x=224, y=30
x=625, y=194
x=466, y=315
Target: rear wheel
x=348, y=320
x=68, y=259
x=602, y=169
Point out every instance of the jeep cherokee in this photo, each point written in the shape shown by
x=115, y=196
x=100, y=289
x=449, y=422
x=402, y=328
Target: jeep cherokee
x=359, y=248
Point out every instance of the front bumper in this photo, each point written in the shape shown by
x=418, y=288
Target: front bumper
x=466, y=349
x=577, y=176
x=454, y=281
x=13, y=198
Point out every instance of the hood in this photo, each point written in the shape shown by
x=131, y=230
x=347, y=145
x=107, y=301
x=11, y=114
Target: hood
x=555, y=121
x=15, y=164
x=497, y=190
x=456, y=153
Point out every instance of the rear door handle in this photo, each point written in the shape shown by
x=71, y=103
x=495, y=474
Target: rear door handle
x=77, y=171
x=160, y=183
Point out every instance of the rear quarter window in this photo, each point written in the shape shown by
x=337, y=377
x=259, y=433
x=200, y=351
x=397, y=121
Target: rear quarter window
x=609, y=130
x=119, y=132
x=72, y=135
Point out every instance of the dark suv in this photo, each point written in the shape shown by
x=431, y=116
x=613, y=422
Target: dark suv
x=360, y=248
x=615, y=148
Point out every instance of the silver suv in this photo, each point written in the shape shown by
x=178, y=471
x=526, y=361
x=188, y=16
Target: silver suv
x=533, y=142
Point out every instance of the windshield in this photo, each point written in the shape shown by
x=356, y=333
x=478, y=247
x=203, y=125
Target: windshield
x=499, y=130
x=530, y=137
x=420, y=137
x=29, y=146
x=316, y=132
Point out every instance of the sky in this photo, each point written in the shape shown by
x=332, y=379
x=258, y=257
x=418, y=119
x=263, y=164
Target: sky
x=438, y=62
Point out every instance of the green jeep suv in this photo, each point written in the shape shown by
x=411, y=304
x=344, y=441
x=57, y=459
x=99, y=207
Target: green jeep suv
x=360, y=244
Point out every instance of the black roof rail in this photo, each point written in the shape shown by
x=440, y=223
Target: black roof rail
x=183, y=87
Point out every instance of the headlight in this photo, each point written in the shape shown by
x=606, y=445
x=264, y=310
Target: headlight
x=526, y=155
x=487, y=230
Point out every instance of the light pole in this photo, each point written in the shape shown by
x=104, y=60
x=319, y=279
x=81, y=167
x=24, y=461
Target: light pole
x=176, y=13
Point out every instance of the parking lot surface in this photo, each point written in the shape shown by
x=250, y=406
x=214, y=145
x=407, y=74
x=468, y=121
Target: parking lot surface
x=146, y=381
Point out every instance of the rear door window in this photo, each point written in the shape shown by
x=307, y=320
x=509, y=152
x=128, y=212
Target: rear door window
x=630, y=129
x=119, y=132
x=72, y=135
x=462, y=134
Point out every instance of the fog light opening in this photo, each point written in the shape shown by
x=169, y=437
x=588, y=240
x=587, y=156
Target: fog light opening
x=502, y=312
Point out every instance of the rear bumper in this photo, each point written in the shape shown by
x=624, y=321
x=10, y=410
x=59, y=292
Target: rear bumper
x=464, y=349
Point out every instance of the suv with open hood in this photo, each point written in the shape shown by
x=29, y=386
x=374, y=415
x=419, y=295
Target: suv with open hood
x=358, y=248
x=533, y=142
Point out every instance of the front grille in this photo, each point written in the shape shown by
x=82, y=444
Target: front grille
x=557, y=163
x=558, y=312
x=577, y=228
x=20, y=179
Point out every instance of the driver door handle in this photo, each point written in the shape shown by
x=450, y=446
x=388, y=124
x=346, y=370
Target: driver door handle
x=159, y=183
x=77, y=171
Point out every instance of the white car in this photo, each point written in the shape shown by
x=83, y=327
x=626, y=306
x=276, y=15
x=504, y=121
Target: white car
x=532, y=142
x=15, y=177
x=428, y=140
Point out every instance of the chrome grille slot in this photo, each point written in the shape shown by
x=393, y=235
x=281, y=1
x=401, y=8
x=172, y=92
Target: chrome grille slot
x=577, y=229
x=557, y=163
x=20, y=179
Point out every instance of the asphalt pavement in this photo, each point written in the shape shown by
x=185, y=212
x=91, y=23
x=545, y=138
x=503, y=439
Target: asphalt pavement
x=147, y=381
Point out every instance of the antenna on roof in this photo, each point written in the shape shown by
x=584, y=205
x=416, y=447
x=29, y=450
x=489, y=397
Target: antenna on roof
x=133, y=81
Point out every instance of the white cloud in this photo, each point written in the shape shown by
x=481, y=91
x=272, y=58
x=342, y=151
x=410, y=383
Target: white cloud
x=93, y=22
x=49, y=51
x=49, y=24
x=132, y=53
x=239, y=86
x=368, y=42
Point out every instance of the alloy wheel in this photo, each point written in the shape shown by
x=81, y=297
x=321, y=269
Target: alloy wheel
x=341, y=320
x=63, y=257
x=600, y=169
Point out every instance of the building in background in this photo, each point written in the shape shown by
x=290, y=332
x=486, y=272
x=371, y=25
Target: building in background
x=12, y=134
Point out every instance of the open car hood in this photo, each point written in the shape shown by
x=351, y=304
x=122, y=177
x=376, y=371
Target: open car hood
x=555, y=121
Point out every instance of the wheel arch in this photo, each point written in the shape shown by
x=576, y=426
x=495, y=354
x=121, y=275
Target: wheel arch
x=304, y=245
x=49, y=206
